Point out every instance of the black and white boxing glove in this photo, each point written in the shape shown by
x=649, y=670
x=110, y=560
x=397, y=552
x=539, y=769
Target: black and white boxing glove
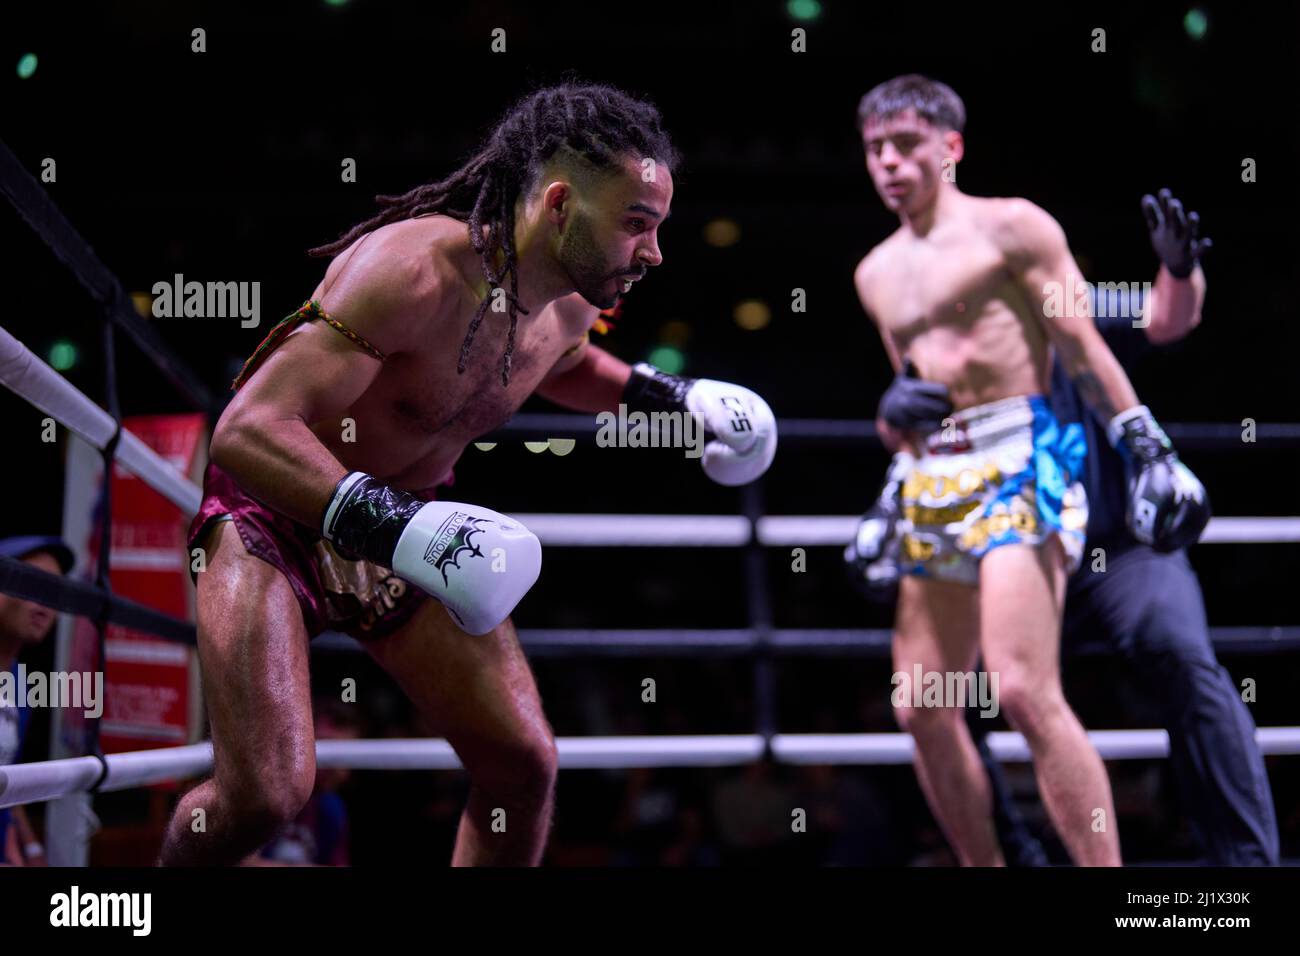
x=872, y=557
x=742, y=424
x=477, y=562
x=1168, y=507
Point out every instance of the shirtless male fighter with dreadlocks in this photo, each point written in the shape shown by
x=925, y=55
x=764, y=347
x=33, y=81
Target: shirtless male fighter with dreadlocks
x=550, y=221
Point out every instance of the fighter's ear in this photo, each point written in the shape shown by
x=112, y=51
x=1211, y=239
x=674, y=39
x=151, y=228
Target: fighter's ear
x=955, y=144
x=557, y=201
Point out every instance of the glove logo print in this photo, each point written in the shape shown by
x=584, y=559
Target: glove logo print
x=739, y=420
x=871, y=536
x=1144, y=517
x=455, y=537
x=1186, y=487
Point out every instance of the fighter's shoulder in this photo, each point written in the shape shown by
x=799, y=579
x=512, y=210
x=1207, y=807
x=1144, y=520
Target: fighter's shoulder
x=1019, y=227
x=394, y=281
x=1014, y=216
x=869, y=269
x=425, y=258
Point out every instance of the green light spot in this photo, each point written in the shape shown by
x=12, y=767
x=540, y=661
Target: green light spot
x=1196, y=23
x=26, y=65
x=63, y=355
x=803, y=9
x=336, y=3
x=668, y=359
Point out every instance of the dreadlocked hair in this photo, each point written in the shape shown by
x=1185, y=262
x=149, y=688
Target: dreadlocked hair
x=600, y=124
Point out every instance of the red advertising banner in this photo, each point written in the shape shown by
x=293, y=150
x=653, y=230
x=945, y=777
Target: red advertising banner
x=151, y=685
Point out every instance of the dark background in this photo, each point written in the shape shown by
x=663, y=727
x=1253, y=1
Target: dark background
x=225, y=166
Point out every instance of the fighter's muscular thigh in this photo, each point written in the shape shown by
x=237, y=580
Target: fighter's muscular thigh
x=1022, y=591
x=936, y=627
x=477, y=691
x=253, y=653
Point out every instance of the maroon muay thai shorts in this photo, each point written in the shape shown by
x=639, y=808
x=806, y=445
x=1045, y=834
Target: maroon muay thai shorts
x=335, y=593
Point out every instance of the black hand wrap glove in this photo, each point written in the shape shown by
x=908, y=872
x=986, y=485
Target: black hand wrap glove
x=1168, y=507
x=911, y=404
x=650, y=390
x=871, y=559
x=1174, y=235
x=366, y=517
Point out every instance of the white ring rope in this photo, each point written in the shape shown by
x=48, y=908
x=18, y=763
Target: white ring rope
x=626, y=530
x=1251, y=530
x=46, y=389
x=52, y=779
x=784, y=531
x=872, y=749
x=645, y=642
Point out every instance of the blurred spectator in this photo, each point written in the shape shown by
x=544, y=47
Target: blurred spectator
x=660, y=822
x=647, y=817
x=692, y=847
x=23, y=624
x=848, y=819
x=933, y=849
x=754, y=813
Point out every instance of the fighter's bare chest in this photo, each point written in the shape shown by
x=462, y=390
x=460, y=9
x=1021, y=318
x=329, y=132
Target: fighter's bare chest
x=425, y=395
x=925, y=285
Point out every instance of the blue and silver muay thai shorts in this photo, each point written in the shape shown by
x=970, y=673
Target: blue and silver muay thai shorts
x=1002, y=473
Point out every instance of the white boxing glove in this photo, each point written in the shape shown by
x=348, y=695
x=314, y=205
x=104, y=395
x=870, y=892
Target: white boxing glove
x=743, y=426
x=744, y=429
x=477, y=562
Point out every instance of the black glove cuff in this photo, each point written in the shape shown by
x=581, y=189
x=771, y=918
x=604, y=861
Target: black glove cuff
x=366, y=517
x=650, y=390
x=1182, y=271
x=1137, y=434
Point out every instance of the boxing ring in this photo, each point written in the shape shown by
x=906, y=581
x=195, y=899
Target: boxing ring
x=750, y=530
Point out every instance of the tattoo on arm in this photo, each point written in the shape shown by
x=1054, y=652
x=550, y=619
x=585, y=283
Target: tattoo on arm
x=1090, y=388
